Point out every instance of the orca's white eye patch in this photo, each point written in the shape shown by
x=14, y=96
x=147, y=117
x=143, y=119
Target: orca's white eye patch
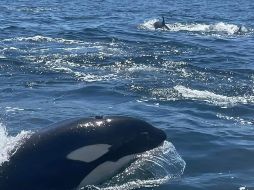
x=89, y=153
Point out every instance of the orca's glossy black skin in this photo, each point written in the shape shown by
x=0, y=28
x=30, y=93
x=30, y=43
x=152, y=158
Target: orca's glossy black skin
x=159, y=24
x=41, y=163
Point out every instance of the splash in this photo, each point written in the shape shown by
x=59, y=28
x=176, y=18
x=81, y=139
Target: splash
x=148, y=25
x=206, y=28
x=219, y=27
x=10, y=144
x=151, y=169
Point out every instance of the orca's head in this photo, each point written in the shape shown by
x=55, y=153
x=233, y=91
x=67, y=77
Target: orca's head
x=132, y=136
x=119, y=136
x=105, y=144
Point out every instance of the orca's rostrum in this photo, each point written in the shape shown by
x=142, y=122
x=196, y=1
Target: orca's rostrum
x=78, y=152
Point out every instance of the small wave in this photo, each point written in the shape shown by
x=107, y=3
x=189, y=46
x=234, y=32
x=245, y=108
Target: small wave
x=39, y=38
x=13, y=28
x=129, y=66
x=213, y=98
x=163, y=94
x=13, y=109
x=10, y=48
x=89, y=77
x=239, y=120
x=59, y=64
x=151, y=169
x=219, y=27
x=35, y=9
x=9, y=144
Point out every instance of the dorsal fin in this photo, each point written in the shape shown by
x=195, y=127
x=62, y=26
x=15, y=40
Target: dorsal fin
x=163, y=21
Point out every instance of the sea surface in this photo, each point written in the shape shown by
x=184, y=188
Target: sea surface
x=61, y=59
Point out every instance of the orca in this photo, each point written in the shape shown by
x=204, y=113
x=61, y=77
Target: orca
x=159, y=24
x=78, y=152
x=241, y=30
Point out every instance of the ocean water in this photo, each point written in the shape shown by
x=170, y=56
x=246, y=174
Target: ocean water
x=63, y=59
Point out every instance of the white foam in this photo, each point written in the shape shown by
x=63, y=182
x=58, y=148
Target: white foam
x=13, y=109
x=9, y=144
x=58, y=63
x=39, y=38
x=219, y=27
x=35, y=9
x=11, y=48
x=129, y=67
x=89, y=77
x=164, y=94
x=148, y=24
x=238, y=120
x=204, y=95
x=151, y=169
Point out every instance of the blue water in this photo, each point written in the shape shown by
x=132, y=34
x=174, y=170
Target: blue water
x=62, y=59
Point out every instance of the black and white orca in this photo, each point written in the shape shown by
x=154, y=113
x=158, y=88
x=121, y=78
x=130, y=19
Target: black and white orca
x=241, y=30
x=159, y=24
x=78, y=152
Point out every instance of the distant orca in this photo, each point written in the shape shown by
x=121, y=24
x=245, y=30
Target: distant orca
x=241, y=30
x=78, y=152
x=159, y=24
